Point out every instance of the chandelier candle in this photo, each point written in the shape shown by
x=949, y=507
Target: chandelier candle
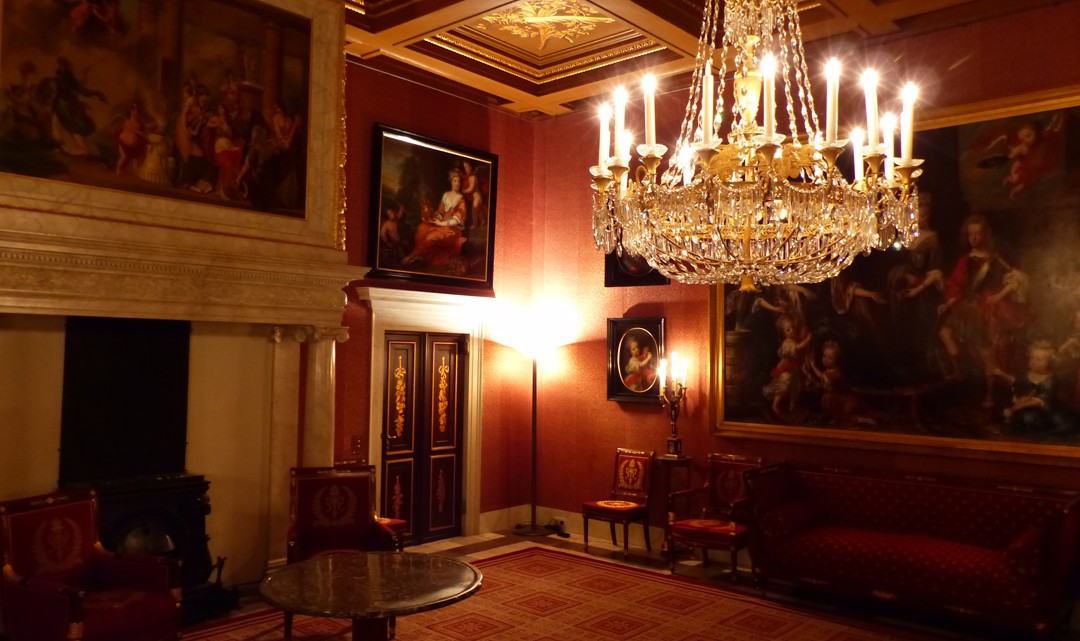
x=832, y=84
x=707, y=106
x=620, y=126
x=907, y=120
x=605, y=136
x=768, y=77
x=648, y=88
x=741, y=202
x=888, y=133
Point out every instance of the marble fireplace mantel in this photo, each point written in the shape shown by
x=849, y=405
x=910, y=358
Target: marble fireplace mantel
x=64, y=275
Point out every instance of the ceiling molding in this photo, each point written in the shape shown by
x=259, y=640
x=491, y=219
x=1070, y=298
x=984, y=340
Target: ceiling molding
x=545, y=57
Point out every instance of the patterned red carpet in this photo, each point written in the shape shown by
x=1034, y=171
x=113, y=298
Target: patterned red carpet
x=541, y=594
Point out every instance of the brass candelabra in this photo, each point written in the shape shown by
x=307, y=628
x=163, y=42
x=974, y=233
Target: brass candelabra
x=672, y=396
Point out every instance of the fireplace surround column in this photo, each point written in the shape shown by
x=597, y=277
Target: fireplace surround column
x=318, y=436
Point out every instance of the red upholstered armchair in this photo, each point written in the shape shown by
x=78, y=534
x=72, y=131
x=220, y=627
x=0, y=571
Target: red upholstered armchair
x=629, y=500
x=60, y=584
x=333, y=510
x=720, y=521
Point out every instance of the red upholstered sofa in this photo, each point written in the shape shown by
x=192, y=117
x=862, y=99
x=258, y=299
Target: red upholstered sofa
x=1000, y=554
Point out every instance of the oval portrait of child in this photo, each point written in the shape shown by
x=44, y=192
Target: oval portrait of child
x=638, y=359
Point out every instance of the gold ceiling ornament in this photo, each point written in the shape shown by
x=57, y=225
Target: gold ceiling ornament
x=739, y=201
x=548, y=73
x=547, y=20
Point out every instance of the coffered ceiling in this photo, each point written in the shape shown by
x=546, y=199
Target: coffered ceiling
x=544, y=56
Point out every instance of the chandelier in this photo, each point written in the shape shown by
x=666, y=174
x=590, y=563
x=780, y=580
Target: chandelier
x=758, y=207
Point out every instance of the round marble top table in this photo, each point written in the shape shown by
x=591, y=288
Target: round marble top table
x=369, y=587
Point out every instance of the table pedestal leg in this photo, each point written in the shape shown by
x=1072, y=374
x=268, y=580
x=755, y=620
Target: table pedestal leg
x=369, y=629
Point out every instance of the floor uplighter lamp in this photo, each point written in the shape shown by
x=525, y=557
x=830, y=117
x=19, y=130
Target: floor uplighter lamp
x=537, y=333
x=531, y=528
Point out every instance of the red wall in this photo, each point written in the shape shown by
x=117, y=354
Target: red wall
x=579, y=429
x=544, y=249
x=374, y=97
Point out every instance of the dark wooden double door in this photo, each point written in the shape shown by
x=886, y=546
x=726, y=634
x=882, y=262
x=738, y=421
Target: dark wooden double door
x=423, y=432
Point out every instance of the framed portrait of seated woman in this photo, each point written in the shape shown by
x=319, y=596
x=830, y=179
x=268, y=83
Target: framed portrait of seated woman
x=967, y=339
x=433, y=211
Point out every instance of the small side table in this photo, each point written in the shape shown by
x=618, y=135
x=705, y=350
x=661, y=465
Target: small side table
x=675, y=476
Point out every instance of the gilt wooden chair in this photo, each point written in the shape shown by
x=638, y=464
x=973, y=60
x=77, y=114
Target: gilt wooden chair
x=720, y=521
x=629, y=501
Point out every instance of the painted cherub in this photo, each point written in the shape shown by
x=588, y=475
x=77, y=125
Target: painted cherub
x=641, y=367
x=391, y=240
x=787, y=377
x=1031, y=151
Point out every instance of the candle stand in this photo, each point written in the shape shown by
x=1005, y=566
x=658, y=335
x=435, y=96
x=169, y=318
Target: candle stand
x=673, y=396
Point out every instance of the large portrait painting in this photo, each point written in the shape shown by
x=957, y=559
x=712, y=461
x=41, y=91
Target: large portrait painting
x=433, y=210
x=971, y=336
x=204, y=101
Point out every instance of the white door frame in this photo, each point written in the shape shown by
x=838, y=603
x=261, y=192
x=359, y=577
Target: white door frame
x=396, y=309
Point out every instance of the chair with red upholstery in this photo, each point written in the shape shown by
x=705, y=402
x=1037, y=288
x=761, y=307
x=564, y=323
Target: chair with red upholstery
x=629, y=502
x=60, y=584
x=333, y=510
x=400, y=528
x=722, y=513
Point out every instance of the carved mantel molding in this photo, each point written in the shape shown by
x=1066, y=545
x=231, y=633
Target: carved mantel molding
x=188, y=285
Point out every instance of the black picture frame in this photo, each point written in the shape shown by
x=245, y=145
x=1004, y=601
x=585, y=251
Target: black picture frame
x=636, y=383
x=630, y=271
x=412, y=194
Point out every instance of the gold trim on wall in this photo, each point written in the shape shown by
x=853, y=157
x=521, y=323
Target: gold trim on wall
x=1019, y=105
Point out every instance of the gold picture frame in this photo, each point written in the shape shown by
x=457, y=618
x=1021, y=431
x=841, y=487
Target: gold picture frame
x=729, y=413
x=311, y=49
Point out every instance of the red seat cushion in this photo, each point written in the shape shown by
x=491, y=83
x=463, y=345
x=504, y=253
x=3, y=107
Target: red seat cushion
x=397, y=525
x=707, y=531
x=614, y=510
x=120, y=615
x=613, y=506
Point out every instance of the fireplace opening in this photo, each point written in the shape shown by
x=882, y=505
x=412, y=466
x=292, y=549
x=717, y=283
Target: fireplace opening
x=123, y=431
x=125, y=395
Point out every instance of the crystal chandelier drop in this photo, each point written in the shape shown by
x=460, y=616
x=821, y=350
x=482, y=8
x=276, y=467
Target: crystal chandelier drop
x=759, y=206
